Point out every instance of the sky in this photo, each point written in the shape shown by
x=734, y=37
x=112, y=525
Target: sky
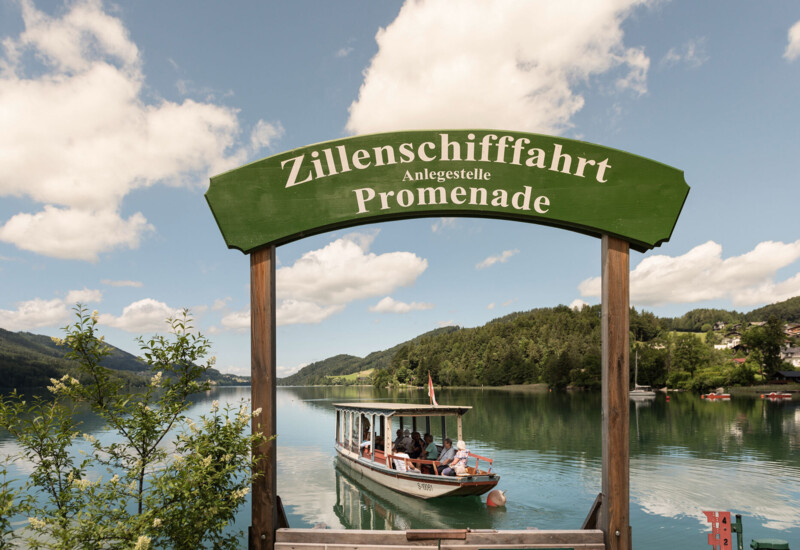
x=114, y=116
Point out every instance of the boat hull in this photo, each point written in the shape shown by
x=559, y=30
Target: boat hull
x=422, y=486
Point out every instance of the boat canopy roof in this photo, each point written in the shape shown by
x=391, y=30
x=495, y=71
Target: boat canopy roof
x=404, y=409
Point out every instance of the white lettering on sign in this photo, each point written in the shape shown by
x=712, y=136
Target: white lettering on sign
x=490, y=149
x=439, y=196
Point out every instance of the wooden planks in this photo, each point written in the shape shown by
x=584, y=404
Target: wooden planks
x=347, y=539
x=615, y=508
x=263, y=380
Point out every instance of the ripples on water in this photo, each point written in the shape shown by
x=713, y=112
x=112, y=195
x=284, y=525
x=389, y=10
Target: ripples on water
x=687, y=456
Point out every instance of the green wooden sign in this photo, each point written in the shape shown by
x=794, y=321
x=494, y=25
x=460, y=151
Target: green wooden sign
x=480, y=173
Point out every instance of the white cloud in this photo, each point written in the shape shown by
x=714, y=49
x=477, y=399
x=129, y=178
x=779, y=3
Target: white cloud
x=442, y=324
x=85, y=111
x=36, y=313
x=145, y=315
x=490, y=306
x=322, y=282
x=238, y=320
x=501, y=258
x=85, y=296
x=74, y=233
x=134, y=284
x=345, y=270
x=692, y=53
x=442, y=223
x=283, y=372
x=294, y=312
x=33, y=314
x=701, y=274
x=577, y=304
x=506, y=64
x=508, y=302
x=220, y=303
x=264, y=134
x=344, y=52
x=389, y=305
x=793, y=47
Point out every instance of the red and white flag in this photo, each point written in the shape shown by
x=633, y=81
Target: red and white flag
x=430, y=391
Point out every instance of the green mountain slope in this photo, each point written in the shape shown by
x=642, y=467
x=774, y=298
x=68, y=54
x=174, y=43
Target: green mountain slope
x=339, y=365
x=31, y=360
x=788, y=310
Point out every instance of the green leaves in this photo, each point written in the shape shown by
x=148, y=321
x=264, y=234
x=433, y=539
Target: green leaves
x=163, y=481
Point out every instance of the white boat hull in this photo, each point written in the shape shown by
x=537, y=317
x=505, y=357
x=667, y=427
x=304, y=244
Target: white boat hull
x=419, y=485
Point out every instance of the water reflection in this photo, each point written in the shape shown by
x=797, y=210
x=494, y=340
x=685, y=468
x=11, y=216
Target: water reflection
x=687, y=455
x=363, y=504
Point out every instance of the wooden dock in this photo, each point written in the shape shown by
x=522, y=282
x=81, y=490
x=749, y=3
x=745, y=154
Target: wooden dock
x=457, y=539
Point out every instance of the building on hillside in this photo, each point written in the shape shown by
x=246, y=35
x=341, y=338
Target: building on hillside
x=732, y=340
x=757, y=323
x=791, y=355
x=791, y=329
x=718, y=326
x=783, y=376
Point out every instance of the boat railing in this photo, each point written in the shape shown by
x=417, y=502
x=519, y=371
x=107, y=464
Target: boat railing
x=478, y=459
x=418, y=463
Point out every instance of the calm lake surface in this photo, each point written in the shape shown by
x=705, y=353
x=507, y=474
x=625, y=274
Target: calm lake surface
x=687, y=455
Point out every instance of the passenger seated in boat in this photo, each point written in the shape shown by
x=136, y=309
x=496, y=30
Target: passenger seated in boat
x=403, y=440
x=447, y=454
x=459, y=464
x=417, y=445
x=428, y=453
x=400, y=464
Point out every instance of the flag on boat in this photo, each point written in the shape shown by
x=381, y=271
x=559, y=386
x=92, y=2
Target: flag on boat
x=430, y=391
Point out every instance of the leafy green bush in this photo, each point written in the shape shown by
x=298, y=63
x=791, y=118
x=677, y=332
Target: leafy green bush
x=165, y=481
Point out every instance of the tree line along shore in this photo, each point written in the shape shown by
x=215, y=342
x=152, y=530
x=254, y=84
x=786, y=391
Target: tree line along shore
x=560, y=347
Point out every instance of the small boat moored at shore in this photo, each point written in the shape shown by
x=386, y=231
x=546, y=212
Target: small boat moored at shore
x=776, y=395
x=364, y=439
x=712, y=396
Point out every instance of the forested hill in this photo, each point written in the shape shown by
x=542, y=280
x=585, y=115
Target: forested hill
x=788, y=310
x=31, y=360
x=320, y=372
x=557, y=346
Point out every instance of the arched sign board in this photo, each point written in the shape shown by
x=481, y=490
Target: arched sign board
x=628, y=201
x=481, y=173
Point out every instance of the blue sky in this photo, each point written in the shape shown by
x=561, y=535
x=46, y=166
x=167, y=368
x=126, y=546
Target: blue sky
x=113, y=117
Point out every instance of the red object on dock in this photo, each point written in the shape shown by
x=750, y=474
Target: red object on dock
x=720, y=536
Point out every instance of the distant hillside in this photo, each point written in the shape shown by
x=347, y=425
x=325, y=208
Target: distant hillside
x=340, y=365
x=788, y=310
x=31, y=360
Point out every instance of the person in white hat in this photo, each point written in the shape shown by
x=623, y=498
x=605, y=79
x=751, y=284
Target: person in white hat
x=459, y=463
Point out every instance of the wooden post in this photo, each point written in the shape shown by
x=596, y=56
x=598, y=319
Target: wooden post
x=615, y=509
x=264, y=509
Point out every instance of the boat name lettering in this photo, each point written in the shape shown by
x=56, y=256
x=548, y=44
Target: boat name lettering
x=424, y=486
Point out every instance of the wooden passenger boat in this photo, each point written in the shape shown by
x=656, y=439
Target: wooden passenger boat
x=359, y=425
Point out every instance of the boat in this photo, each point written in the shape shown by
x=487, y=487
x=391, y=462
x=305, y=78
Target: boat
x=713, y=395
x=640, y=393
x=363, y=443
x=776, y=395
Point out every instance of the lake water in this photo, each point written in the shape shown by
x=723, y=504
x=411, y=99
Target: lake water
x=687, y=455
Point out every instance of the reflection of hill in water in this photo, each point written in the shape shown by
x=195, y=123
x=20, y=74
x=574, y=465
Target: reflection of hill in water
x=363, y=504
x=570, y=423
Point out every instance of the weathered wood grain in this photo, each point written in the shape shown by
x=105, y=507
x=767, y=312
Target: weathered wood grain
x=614, y=510
x=263, y=380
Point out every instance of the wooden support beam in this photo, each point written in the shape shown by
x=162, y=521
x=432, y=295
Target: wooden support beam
x=265, y=520
x=615, y=507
